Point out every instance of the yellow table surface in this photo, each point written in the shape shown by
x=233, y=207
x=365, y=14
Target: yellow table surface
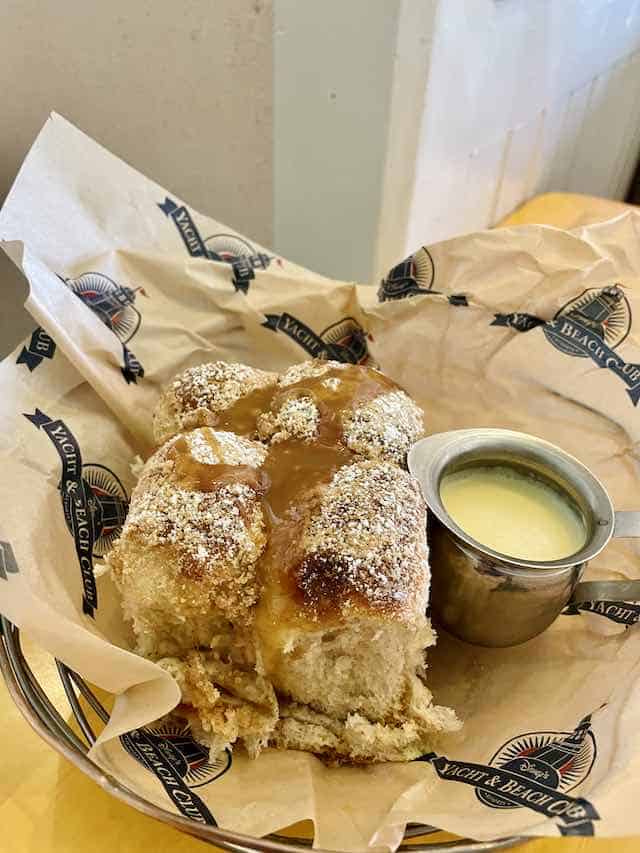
x=48, y=806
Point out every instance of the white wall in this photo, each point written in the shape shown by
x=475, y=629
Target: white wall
x=181, y=90
x=403, y=122
x=523, y=96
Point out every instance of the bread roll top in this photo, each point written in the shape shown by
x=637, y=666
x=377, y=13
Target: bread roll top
x=197, y=396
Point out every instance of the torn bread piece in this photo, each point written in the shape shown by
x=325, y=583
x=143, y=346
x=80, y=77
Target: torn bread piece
x=222, y=702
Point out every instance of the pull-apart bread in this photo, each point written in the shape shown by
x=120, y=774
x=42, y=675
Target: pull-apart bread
x=274, y=560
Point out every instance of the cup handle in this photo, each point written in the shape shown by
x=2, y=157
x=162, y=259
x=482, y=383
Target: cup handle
x=626, y=526
x=606, y=591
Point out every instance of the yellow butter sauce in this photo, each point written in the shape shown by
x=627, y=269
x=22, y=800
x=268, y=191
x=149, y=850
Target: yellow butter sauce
x=513, y=513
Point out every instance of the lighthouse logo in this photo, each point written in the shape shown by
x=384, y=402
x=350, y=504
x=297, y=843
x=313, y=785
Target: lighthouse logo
x=107, y=499
x=94, y=502
x=604, y=313
x=348, y=341
x=114, y=304
x=180, y=763
x=410, y=277
x=559, y=760
x=344, y=340
x=593, y=325
x=226, y=248
x=536, y=770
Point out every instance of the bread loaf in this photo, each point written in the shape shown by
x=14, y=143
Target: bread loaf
x=277, y=564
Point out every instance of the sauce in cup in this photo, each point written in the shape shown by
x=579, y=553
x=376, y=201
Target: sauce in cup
x=513, y=512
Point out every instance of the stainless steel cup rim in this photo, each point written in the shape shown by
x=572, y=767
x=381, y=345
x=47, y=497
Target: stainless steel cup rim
x=430, y=458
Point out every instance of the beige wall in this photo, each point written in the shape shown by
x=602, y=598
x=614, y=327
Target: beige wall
x=181, y=90
x=333, y=78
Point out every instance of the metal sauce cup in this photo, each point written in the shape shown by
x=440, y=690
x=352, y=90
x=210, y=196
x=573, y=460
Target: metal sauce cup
x=491, y=599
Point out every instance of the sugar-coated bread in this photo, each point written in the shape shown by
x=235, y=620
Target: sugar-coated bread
x=186, y=559
x=383, y=426
x=284, y=581
x=197, y=396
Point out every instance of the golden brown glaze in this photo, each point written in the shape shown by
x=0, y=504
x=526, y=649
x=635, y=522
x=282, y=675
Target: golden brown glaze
x=197, y=476
x=356, y=385
x=288, y=481
x=241, y=417
x=293, y=468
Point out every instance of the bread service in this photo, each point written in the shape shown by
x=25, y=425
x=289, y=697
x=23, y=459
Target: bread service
x=274, y=561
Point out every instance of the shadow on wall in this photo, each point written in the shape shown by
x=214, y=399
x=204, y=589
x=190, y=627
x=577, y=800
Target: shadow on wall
x=633, y=196
x=15, y=322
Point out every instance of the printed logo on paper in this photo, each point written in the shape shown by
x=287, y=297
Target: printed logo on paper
x=412, y=277
x=114, y=304
x=536, y=770
x=227, y=248
x=94, y=503
x=40, y=346
x=605, y=313
x=8, y=564
x=180, y=763
x=344, y=341
x=621, y=612
x=593, y=325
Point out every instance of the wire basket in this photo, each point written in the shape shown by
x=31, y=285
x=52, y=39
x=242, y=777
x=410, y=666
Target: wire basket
x=45, y=719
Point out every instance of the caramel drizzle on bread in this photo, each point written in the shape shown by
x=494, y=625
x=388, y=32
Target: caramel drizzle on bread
x=288, y=482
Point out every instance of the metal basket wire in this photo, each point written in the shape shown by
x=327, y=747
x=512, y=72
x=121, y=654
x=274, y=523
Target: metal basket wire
x=44, y=718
